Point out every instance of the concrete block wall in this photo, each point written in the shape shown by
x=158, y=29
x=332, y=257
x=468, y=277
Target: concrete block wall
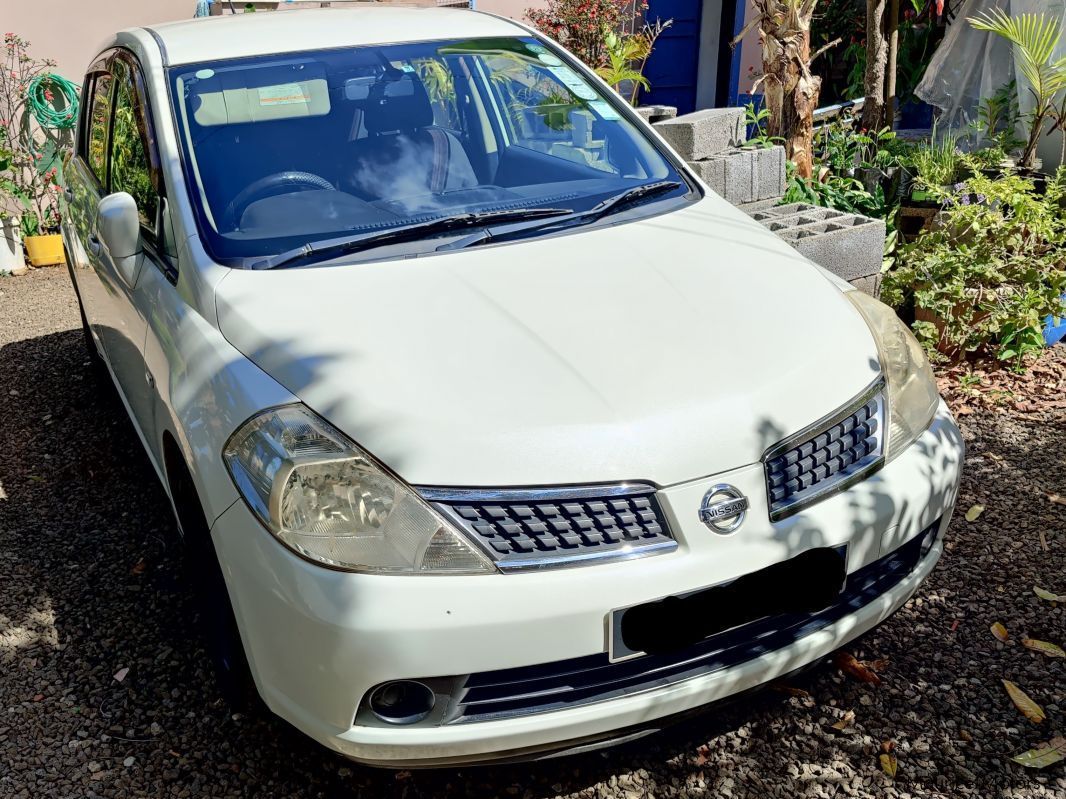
x=712, y=142
x=703, y=134
x=848, y=245
x=744, y=175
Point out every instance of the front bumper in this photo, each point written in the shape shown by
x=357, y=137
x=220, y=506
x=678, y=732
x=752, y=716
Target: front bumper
x=318, y=640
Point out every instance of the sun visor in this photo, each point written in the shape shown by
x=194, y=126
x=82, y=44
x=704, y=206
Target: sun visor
x=259, y=95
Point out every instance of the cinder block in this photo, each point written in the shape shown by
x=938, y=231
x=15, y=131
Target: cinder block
x=759, y=205
x=731, y=174
x=739, y=176
x=706, y=133
x=711, y=172
x=848, y=245
x=769, y=180
x=656, y=113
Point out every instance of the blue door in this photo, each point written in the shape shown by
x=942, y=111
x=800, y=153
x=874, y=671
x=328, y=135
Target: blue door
x=673, y=65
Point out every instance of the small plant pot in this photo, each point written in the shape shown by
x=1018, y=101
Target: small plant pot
x=12, y=261
x=870, y=177
x=921, y=199
x=1039, y=179
x=45, y=250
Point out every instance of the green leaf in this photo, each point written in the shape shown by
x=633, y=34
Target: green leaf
x=1043, y=755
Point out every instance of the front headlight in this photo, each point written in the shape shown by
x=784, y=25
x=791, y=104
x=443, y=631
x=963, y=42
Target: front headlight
x=332, y=503
x=912, y=395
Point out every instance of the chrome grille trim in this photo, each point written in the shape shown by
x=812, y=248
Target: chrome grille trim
x=841, y=478
x=525, y=529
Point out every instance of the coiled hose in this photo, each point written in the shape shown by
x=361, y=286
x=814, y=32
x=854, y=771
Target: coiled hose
x=40, y=96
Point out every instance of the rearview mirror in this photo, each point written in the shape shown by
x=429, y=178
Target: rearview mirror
x=120, y=233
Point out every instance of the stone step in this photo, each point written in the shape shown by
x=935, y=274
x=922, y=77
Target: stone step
x=705, y=133
x=851, y=246
x=744, y=175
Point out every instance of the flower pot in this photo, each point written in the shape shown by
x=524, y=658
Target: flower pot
x=11, y=260
x=870, y=177
x=45, y=250
x=1038, y=178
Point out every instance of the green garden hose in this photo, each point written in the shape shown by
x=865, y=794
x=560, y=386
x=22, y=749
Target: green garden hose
x=40, y=96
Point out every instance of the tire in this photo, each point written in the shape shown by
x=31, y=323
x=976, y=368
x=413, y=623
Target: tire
x=215, y=618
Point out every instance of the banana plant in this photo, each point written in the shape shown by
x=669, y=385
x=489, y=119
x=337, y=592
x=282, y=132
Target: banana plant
x=1035, y=38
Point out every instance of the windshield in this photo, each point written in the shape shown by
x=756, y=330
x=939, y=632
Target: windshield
x=281, y=151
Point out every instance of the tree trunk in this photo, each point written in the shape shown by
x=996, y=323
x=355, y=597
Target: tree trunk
x=892, y=30
x=790, y=90
x=873, y=111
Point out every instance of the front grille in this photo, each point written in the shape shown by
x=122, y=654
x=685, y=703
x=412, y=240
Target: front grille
x=553, y=527
x=830, y=455
x=579, y=681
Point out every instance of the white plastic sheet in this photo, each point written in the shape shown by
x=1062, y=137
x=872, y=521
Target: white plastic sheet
x=971, y=65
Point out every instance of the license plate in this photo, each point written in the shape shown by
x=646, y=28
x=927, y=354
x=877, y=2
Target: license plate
x=806, y=583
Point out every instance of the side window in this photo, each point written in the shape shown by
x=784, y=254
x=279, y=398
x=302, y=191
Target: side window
x=96, y=138
x=131, y=169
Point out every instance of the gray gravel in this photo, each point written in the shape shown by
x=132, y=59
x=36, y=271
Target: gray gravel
x=90, y=583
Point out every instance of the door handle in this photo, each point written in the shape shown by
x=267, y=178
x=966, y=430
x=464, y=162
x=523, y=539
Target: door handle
x=95, y=247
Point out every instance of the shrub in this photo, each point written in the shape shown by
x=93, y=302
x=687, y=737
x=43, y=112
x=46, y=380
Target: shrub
x=578, y=25
x=985, y=277
x=29, y=161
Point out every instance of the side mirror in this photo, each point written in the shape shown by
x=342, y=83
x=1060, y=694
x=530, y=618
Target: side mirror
x=120, y=233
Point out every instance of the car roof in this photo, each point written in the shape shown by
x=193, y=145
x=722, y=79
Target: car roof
x=243, y=35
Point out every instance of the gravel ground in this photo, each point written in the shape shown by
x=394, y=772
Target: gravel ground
x=91, y=585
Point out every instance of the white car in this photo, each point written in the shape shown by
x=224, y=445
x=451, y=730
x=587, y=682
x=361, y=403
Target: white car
x=499, y=433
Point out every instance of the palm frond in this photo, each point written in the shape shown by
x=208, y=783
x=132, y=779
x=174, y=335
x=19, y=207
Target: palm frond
x=1035, y=36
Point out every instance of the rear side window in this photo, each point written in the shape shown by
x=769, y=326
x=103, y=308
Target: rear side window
x=130, y=166
x=99, y=116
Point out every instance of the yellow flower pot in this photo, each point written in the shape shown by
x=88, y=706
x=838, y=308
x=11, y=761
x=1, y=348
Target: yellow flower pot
x=44, y=250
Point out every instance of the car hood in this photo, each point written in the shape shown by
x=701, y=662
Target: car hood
x=662, y=350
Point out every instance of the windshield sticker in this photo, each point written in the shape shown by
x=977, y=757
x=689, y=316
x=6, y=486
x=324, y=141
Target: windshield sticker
x=549, y=59
x=285, y=94
x=204, y=74
x=604, y=109
x=573, y=82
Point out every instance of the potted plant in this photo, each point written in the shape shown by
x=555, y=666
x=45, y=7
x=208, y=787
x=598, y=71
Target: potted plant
x=29, y=189
x=983, y=280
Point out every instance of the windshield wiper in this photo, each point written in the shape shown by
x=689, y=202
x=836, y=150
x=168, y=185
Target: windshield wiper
x=412, y=232
x=629, y=195
x=597, y=211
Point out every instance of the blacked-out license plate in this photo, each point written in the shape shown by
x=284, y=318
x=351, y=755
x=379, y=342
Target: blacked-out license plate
x=806, y=583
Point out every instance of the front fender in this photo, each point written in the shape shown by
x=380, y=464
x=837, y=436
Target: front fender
x=205, y=389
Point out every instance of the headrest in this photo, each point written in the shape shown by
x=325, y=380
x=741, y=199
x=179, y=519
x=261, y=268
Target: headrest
x=398, y=105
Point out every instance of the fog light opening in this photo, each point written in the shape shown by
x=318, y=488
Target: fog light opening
x=931, y=537
x=402, y=701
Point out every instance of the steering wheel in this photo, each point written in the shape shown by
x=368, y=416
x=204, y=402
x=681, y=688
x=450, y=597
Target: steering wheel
x=278, y=183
